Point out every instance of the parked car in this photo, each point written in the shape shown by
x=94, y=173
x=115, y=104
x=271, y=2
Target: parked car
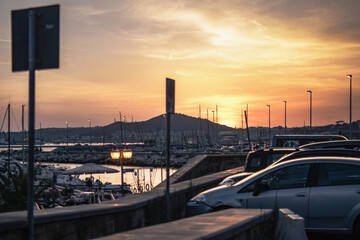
x=344, y=144
x=296, y=140
x=257, y=160
x=297, y=153
x=325, y=191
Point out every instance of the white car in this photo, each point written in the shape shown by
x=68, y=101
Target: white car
x=325, y=191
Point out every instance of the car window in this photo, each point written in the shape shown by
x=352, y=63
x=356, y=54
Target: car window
x=288, y=177
x=338, y=174
x=271, y=158
x=291, y=143
x=249, y=188
x=255, y=162
x=292, y=177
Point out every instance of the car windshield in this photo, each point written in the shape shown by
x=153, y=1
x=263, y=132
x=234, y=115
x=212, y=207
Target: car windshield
x=250, y=176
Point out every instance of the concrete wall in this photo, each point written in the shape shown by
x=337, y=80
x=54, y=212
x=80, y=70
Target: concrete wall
x=134, y=211
x=231, y=224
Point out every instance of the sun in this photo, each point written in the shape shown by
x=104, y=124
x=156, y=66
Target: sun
x=228, y=123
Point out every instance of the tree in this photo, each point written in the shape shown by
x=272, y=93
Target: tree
x=13, y=191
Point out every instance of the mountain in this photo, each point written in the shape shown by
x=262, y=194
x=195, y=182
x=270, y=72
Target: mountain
x=152, y=129
x=184, y=129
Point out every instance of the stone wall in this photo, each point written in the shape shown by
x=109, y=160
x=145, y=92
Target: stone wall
x=231, y=224
x=130, y=212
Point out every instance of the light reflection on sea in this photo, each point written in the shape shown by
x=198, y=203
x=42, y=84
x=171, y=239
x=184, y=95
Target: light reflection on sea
x=146, y=174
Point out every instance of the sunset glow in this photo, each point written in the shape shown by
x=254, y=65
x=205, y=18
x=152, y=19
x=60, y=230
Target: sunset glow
x=115, y=56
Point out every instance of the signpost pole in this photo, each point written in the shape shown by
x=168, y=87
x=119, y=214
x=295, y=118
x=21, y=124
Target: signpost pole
x=31, y=139
x=31, y=28
x=170, y=108
x=167, y=167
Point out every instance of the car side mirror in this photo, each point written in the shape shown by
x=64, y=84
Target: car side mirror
x=260, y=187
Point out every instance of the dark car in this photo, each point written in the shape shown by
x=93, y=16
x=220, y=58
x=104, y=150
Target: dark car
x=256, y=161
x=339, y=144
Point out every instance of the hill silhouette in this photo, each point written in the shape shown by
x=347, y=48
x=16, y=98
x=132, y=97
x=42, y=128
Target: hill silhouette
x=183, y=128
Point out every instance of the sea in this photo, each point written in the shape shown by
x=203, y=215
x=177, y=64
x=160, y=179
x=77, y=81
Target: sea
x=135, y=176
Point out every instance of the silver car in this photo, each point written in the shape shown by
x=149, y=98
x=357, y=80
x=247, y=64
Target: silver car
x=325, y=191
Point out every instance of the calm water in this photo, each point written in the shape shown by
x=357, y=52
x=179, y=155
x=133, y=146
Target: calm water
x=145, y=176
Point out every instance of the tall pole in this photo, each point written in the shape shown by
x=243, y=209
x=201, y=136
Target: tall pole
x=350, y=130
x=242, y=119
x=8, y=163
x=310, y=109
x=170, y=108
x=242, y=125
x=208, y=127
x=285, y=116
x=22, y=132
x=216, y=126
x=269, y=127
x=31, y=139
x=122, y=172
x=200, y=123
x=90, y=131
x=40, y=135
x=247, y=113
x=167, y=166
x=247, y=129
x=213, y=130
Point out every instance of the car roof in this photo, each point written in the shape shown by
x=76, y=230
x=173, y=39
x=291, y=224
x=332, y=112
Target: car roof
x=346, y=160
x=320, y=152
x=332, y=144
x=274, y=149
x=308, y=136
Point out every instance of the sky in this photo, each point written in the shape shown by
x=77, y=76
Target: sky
x=115, y=56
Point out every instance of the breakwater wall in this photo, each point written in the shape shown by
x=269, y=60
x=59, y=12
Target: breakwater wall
x=100, y=154
x=130, y=212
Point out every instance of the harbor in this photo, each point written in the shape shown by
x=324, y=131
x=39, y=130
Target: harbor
x=217, y=120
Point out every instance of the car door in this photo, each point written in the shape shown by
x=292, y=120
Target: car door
x=293, y=189
x=335, y=196
x=265, y=200
x=287, y=189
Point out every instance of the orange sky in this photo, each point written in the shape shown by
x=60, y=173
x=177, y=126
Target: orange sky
x=115, y=56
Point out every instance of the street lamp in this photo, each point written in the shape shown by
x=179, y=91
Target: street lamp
x=310, y=109
x=116, y=155
x=285, y=115
x=350, y=77
x=90, y=131
x=269, y=125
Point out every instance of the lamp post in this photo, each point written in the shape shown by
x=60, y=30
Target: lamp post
x=310, y=109
x=116, y=155
x=90, y=131
x=350, y=77
x=213, y=128
x=285, y=115
x=269, y=126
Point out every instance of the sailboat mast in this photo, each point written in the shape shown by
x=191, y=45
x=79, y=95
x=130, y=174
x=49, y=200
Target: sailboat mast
x=121, y=130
